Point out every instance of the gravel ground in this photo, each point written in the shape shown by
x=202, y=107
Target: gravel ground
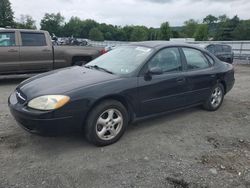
x=188, y=149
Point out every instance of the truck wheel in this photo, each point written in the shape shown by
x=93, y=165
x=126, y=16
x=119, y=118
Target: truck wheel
x=106, y=123
x=79, y=63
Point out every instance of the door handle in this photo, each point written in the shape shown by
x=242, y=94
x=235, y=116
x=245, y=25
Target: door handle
x=12, y=50
x=180, y=80
x=213, y=76
x=46, y=50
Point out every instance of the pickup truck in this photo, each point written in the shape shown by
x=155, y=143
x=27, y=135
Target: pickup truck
x=31, y=51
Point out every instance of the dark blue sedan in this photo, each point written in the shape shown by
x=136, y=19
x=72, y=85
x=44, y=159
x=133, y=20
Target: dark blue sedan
x=129, y=83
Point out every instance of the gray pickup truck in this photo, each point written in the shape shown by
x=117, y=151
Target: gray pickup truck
x=31, y=51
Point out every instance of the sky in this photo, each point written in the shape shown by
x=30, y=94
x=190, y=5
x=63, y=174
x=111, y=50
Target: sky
x=150, y=13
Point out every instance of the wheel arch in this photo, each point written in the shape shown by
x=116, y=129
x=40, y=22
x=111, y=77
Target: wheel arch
x=80, y=58
x=118, y=98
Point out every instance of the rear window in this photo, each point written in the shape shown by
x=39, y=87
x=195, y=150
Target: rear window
x=33, y=39
x=226, y=48
x=7, y=39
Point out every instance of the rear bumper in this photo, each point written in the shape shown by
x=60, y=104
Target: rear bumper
x=42, y=122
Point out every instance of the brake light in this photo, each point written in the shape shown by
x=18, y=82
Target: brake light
x=103, y=51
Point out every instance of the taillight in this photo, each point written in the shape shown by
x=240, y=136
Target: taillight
x=103, y=51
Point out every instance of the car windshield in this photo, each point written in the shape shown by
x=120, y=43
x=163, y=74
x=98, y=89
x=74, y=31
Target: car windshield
x=122, y=60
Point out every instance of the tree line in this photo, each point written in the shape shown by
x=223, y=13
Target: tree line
x=210, y=28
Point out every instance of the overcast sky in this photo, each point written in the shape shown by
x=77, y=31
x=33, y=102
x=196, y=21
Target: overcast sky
x=136, y=12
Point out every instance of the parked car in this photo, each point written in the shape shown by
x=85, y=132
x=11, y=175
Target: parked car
x=221, y=51
x=25, y=51
x=127, y=84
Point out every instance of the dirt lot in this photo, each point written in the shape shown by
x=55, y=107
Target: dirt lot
x=191, y=148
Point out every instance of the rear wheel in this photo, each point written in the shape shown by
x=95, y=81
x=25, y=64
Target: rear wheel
x=106, y=123
x=215, y=99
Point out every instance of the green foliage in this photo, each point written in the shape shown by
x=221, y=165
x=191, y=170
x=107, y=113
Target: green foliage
x=165, y=31
x=139, y=33
x=6, y=14
x=53, y=23
x=190, y=27
x=26, y=22
x=242, y=31
x=201, y=33
x=96, y=34
x=226, y=28
x=210, y=19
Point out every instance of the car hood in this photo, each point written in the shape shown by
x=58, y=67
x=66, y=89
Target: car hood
x=62, y=81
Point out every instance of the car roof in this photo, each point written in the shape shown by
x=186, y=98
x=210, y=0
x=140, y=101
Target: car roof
x=24, y=30
x=163, y=44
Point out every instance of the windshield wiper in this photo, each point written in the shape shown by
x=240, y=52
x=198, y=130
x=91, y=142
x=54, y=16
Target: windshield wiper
x=99, y=68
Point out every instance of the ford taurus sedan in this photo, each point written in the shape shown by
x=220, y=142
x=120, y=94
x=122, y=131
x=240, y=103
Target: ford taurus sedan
x=127, y=84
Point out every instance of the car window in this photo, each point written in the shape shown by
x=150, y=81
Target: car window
x=210, y=59
x=168, y=60
x=122, y=60
x=195, y=59
x=226, y=48
x=218, y=48
x=7, y=39
x=211, y=49
x=33, y=39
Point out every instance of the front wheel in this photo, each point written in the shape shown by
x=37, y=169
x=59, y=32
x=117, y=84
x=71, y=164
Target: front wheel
x=106, y=123
x=215, y=99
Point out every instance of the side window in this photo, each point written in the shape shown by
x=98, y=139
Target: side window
x=33, y=39
x=7, y=39
x=168, y=60
x=195, y=59
x=226, y=48
x=219, y=48
x=211, y=49
x=210, y=59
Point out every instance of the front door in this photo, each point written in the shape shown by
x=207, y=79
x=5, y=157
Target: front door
x=9, y=53
x=166, y=91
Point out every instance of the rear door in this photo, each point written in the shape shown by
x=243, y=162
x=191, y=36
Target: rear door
x=36, y=53
x=200, y=75
x=159, y=93
x=9, y=52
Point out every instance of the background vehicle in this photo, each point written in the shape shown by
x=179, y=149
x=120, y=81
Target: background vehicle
x=221, y=51
x=129, y=83
x=25, y=51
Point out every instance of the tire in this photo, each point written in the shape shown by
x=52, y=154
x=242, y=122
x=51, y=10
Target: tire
x=106, y=123
x=79, y=63
x=215, y=98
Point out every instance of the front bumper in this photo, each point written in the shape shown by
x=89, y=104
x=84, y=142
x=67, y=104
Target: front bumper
x=42, y=122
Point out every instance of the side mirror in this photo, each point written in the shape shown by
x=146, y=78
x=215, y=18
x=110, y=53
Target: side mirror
x=155, y=71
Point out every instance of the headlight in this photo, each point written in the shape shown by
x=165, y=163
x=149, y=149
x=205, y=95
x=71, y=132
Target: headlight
x=48, y=102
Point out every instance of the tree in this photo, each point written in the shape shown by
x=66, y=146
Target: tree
x=96, y=34
x=52, y=23
x=73, y=27
x=210, y=19
x=6, y=14
x=190, y=27
x=26, y=22
x=86, y=26
x=165, y=31
x=201, y=33
x=139, y=33
x=242, y=31
x=226, y=28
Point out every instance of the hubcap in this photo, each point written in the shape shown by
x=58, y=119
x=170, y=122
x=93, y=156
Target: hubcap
x=216, y=97
x=109, y=124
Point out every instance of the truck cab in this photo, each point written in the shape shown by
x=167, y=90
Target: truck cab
x=32, y=51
